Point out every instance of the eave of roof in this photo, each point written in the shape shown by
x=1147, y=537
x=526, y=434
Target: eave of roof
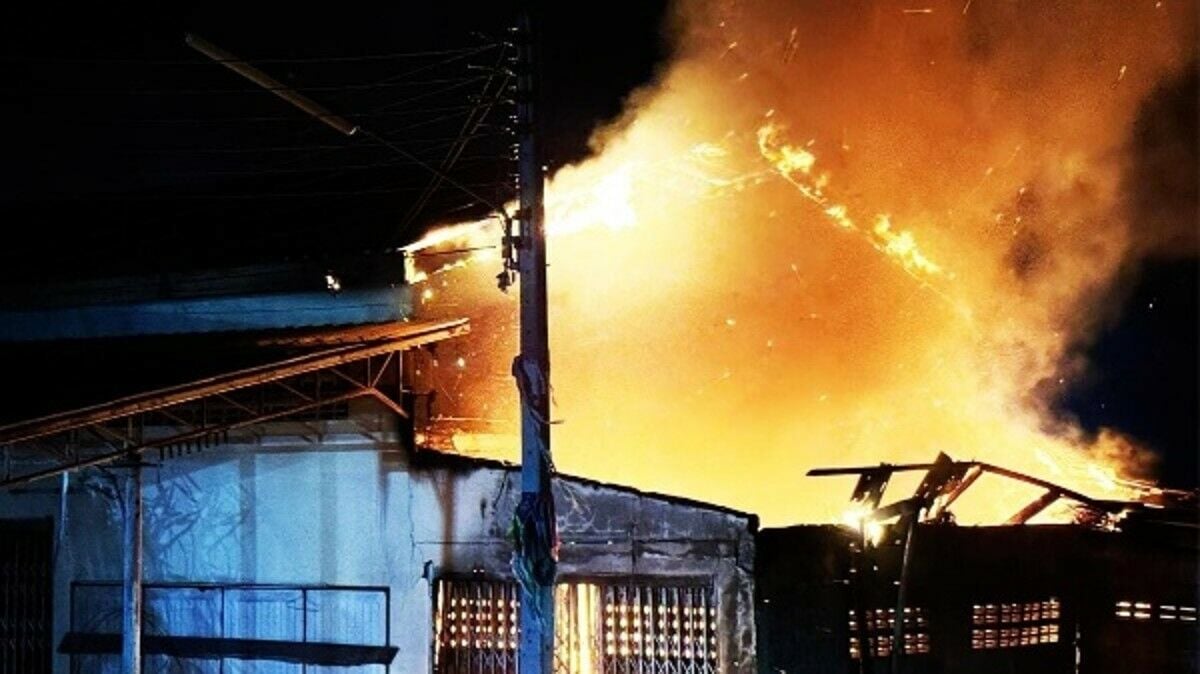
x=440, y=459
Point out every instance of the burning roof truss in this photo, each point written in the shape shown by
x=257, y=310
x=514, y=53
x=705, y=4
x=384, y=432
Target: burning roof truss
x=946, y=480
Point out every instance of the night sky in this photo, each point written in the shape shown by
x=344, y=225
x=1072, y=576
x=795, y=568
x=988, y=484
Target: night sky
x=152, y=156
x=110, y=167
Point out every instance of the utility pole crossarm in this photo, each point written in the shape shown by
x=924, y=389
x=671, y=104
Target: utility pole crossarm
x=269, y=83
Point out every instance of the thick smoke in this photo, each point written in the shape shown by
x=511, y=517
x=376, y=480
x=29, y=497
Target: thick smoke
x=716, y=332
x=1163, y=174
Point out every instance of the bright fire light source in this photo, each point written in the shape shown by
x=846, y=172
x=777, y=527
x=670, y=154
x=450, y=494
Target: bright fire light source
x=857, y=517
x=884, y=242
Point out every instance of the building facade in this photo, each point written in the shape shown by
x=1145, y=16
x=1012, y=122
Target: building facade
x=1045, y=598
x=268, y=553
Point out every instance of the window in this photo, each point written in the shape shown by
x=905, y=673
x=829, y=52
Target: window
x=599, y=628
x=475, y=623
x=1015, y=625
x=1145, y=611
x=880, y=627
x=192, y=627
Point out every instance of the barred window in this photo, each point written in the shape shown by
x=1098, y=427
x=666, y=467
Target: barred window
x=880, y=629
x=475, y=623
x=600, y=628
x=1017, y=624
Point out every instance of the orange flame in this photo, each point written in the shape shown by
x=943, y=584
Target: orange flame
x=714, y=336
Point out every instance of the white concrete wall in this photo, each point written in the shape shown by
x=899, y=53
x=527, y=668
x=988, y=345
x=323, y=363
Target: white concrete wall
x=359, y=512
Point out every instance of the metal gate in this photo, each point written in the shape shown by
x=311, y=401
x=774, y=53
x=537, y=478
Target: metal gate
x=26, y=596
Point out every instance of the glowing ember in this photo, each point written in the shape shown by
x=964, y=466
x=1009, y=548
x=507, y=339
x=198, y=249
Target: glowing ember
x=730, y=305
x=795, y=165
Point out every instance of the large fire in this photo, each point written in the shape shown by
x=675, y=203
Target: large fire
x=832, y=233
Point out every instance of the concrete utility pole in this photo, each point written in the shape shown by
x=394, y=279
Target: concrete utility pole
x=131, y=600
x=535, y=559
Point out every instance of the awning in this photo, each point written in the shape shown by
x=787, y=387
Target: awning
x=360, y=362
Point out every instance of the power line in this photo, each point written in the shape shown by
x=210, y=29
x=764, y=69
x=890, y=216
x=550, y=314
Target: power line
x=432, y=66
x=279, y=118
x=388, y=106
x=470, y=125
x=244, y=150
x=385, y=140
x=429, y=94
x=273, y=195
x=195, y=62
x=387, y=163
x=367, y=86
x=403, y=102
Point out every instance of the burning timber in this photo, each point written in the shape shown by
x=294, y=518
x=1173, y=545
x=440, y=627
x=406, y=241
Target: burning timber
x=901, y=588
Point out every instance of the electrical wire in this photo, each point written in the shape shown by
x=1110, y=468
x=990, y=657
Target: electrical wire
x=197, y=62
x=392, y=105
x=317, y=169
x=387, y=139
x=367, y=86
x=470, y=126
x=395, y=104
x=276, y=195
x=432, y=66
x=464, y=188
x=242, y=150
x=279, y=118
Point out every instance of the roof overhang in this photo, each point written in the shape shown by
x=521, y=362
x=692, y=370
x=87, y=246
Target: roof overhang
x=356, y=359
x=232, y=313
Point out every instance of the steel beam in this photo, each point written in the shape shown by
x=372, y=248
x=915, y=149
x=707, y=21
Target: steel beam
x=180, y=438
x=415, y=335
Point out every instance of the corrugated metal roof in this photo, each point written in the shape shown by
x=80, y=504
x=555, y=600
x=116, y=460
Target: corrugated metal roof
x=45, y=377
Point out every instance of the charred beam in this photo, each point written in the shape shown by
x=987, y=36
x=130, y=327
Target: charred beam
x=1036, y=506
x=964, y=483
x=1063, y=492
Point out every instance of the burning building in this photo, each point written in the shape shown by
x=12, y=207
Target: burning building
x=868, y=230
x=851, y=229
x=902, y=588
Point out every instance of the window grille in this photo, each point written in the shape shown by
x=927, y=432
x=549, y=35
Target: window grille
x=600, y=628
x=1013, y=625
x=476, y=627
x=880, y=628
x=658, y=630
x=26, y=594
